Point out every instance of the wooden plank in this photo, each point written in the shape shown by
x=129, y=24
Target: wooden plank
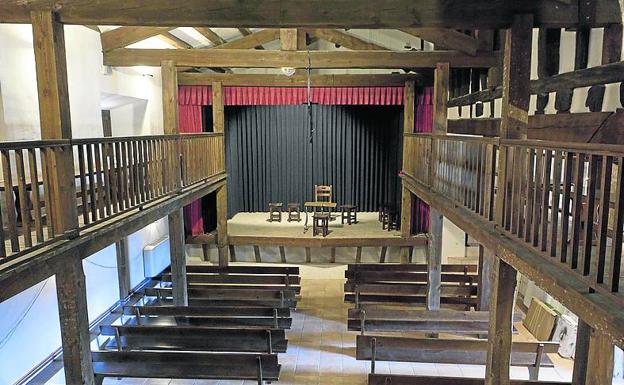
x=446, y=39
x=241, y=279
x=211, y=35
x=409, y=267
x=240, y=240
x=344, y=39
x=254, y=40
x=396, y=379
x=244, y=58
x=178, y=258
x=314, y=14
x=170, y=97
x=408, y=289
x=183, y=311
x=339, y=80
x=244, y=269
x=125, y=36
x=174, y=41
x=600, y=359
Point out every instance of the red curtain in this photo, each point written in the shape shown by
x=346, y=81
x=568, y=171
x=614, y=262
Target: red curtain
x=424, y=123
x=271, y=96
x=190, y=120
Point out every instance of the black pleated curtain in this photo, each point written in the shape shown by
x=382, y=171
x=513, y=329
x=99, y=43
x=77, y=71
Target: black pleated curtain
x=273, y=157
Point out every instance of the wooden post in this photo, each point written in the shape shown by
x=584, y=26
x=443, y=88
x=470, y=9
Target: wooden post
x=501, y=318
x=55, y=118
x=71, y=292
x=123, y=269
x=486, y=268
x=218, y=123
x=581, y=353
x=600, y=359
x=178, y=258
x=440, y=124
x=406, y=195
x=169, y=76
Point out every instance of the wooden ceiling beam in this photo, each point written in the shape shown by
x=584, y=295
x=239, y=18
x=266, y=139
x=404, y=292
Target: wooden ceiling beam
x=455, y=14
x=250, y=80
x=344, y=39
x=125, y=36
x=244, y=58
x=253, y=40
x=211, y=36
x=174, y=41
x=245, y=31
x=446, y=39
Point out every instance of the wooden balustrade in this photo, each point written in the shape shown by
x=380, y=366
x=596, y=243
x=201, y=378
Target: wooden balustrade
x=565, y=200
x=112, y=176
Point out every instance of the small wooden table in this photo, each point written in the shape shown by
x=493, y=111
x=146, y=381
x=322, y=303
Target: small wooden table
x=315, y=205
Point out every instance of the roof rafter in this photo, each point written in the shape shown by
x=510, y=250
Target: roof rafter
x=344, y=39
x=446, y=39
x=253, y=40
x=174, y=41
x=211, y=35
x=125, y=36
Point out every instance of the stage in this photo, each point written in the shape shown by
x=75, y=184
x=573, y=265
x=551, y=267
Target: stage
x=253, y=238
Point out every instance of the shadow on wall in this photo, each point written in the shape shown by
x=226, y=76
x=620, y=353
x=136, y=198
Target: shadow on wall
x=2, y=121
x=127, y=113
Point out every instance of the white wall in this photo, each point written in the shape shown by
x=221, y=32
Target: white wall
x=29, y=325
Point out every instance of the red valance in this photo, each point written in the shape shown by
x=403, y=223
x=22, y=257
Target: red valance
x=245, y=96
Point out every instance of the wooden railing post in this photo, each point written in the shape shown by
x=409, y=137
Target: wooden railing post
x=406, y=194
x=62, y=213
x=218, y=122
x=440, y=124
x=514, y=120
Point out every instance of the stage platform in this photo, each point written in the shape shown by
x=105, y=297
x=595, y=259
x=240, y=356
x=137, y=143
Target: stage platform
x=253, y=238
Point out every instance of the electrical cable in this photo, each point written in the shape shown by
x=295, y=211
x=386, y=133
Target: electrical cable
x=8, y=336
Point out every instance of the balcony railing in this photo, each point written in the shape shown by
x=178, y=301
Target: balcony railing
x=564, y=200
x=111, y=176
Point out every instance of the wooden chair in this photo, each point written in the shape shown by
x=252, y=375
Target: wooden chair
x=390, y=220
x=275, y=212
x=348, y=213
x=320, y=224
x=294, y=212
x=323, y=193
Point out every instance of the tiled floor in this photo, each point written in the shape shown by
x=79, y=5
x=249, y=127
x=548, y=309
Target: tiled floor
x=322, y=351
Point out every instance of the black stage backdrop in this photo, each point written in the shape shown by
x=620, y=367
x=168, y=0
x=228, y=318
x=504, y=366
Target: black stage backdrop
x=272, y=156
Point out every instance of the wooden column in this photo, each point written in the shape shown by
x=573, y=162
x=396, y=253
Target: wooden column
x=600, y=359
x=218, y=123
x=54, y=115
x=55, y=118
x=292, y=39
x=501, y=317
x=71, y=292
x=440, y=124
x=178, y=258
x=581, y=353
x=406, y=195
x=169, y=75
x=123, y=268
x=487, y=262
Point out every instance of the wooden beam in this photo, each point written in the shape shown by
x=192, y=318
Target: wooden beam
x=241, y=240
x=372, y=80
x=218, y=124
x=170, y=97
x=409, y=109
x=446, y=39
x=244, y=58
x=123, y=268
x=487, y=265
x=125, y=36
x=71, y=292
x=312, y=14
x=289, y=39
x=440, y=98
x=245, y=31
x=174, y=41
x=178, y=258
x=604, y=74
x=501, y=324
x=253, y=40
x=55, y=117
x=211, y=36
x=600, y=359
x=344, y=39
x=581, y=353
x=516, y=78
x=401, y=379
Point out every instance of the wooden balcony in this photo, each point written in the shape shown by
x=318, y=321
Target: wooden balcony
x=540, y=206
x=114, y=180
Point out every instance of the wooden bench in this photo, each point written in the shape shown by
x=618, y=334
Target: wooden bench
x=205, y=296
x=214, y=316
x=407, y=284
x=193, y=338
x=243, y=269
x=391, y=319
x=185, y=365
x=397, y=379
x=449, y=351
